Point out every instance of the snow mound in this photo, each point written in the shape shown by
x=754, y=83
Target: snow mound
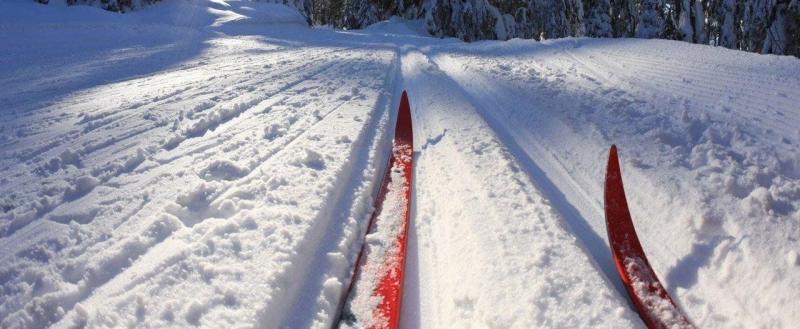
x=399, y=26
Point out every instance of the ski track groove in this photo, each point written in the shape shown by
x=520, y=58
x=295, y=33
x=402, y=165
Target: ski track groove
x=527, y=211
x=663, y=76
x=236, y=129
x=285, y=143
x=87, y=150
x=592, y=244
x=541, y=188
x=348, y=196
x=259, y=100
x=100, y=113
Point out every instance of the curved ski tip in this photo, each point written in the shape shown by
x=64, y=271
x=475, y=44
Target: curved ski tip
x=612, y=153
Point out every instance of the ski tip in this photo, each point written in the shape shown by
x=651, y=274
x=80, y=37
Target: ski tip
x=403, y=130
x=612, y=157
x=612, y=168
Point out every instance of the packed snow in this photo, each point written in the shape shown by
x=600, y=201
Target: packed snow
x=213, y=163
x=381, y=254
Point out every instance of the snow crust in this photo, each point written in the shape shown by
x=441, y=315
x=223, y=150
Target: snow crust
x=213, y=163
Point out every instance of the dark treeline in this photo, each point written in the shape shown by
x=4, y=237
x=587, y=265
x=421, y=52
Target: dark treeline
x=764, y=26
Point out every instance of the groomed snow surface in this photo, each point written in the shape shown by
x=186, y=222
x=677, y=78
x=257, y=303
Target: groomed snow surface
x=213, y=163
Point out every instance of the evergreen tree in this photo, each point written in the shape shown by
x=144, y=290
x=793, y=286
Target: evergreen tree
x=623, y=18
x=793, y=29
x=685, y=26
x=597, y=19
x=651, y=21
x=766, y=26
x=699, y=22
x=358, y=14
x=573, y=12
x=727, y=24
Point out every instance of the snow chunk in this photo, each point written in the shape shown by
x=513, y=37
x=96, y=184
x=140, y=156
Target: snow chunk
x=198, y=197
x=223, y=170
x=662, y=308
x=273, y=131
x=70, y=157
x=80, y=187
x=759, y=199
x=194, y=311
x=311, y=159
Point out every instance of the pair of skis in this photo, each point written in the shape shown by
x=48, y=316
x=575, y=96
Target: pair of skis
x=375, y=294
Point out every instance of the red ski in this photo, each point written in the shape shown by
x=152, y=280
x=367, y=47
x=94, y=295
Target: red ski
x=376, y=291
x=652, y=301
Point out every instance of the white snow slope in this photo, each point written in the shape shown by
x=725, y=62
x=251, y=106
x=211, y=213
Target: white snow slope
x=212, y=164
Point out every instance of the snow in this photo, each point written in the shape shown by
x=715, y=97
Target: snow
x=381, y=255
x=707, y=237
x=213, y=163
x=646, y=289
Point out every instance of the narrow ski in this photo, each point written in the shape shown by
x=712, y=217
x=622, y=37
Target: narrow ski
x=655, y=306
x=375, y=294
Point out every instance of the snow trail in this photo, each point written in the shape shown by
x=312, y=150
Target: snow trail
x=485, y=233
x=564, y=112
x=130, y=243
x=213, y=164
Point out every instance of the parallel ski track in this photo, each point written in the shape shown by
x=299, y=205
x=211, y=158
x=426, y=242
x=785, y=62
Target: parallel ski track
x=494, y=99
x=655, y=77
x=284, y=143
x=214, y=142
x=357, y=191
x=490, y=105
x=471, y=186
x=165, y=81
x=115, y=140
